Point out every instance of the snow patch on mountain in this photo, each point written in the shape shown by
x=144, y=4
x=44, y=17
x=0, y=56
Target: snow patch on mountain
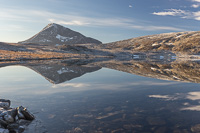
x=64, y=39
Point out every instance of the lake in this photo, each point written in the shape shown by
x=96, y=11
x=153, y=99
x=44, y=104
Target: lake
x=106, y=95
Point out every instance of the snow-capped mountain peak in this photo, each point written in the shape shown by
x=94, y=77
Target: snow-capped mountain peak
x=54, y=34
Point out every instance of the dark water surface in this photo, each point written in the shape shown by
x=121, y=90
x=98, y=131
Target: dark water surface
x=105, y=100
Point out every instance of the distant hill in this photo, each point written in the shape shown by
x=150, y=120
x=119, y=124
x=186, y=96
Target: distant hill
x=188, y=42
x=54, y=34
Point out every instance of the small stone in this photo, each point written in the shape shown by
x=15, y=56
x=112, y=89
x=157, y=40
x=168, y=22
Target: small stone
x=4, y=130
x=20, y=115
x=1, y=110
x=9, y=119
x=21, y=129
x=4, y=103
x=3, y=113
x=12, y=112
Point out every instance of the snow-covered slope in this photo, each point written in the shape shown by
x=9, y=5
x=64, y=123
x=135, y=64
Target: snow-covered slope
x=54, y=34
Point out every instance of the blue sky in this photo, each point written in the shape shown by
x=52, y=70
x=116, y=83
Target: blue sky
x=105, y=20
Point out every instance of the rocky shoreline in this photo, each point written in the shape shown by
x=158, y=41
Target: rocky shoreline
x=13, y=120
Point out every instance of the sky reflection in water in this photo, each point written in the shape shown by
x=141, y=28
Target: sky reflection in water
x=106, y=100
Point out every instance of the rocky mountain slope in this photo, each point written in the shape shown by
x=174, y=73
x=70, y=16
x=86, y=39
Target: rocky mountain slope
x=54, y=34
x=188, y=42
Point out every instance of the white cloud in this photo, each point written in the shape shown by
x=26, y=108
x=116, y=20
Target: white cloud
x=172, y=12
x=180, y=13
x=196, y=15
x=195, y=5
x=74, y=22
x=78, y=20
x=154, y=28
x=196, y=0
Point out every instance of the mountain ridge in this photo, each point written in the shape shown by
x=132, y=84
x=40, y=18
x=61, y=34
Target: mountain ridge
x=187, y=42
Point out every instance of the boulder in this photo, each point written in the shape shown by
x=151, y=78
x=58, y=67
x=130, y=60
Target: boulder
x=26, y=113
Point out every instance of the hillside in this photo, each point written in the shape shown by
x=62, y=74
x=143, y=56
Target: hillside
x=188, y=42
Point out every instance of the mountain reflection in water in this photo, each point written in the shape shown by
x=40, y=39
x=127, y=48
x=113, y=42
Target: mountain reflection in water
x=91, y=96
x=60, y=71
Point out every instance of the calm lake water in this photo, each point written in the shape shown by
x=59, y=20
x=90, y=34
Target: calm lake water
x=104, y=99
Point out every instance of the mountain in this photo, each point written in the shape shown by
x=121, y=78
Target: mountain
x=54, y=34
x=57, y=73
x=187, y=42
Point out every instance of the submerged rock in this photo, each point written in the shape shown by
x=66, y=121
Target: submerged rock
x=11, y=118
